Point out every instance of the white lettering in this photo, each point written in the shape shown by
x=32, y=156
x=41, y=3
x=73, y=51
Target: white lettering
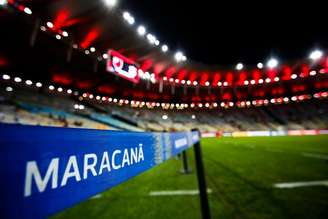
x=88, y=166
x=115, y=167
x=104, y=163
x=32, y=171
x=134, y=155
x=141, y=154
x=67, y=174
x=126, y=159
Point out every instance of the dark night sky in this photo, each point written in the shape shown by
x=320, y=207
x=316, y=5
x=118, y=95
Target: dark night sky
x=224, y=33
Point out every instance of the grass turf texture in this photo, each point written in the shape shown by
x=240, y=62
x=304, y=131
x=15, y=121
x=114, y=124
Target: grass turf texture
x=241, y=173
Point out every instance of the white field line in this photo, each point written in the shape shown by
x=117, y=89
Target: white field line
x=318, y=156
x=177, y=192
x=290, y=185
x=96, y=196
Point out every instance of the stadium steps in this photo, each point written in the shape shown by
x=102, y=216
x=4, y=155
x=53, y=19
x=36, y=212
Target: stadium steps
x=274, y=117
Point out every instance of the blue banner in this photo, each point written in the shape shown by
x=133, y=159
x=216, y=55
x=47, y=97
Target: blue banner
x=44, y=170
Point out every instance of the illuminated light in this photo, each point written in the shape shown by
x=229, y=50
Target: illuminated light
x=200, y=105
x=178, y=56
x=231, y=104
x=81, y=107
x=225, y=83
x=301, y=97
x=50, y=25
x=141, y=30
x=246, y=82
x=248, y=103
x=176, y=80
x=110, y=3
x=268, y=80
x=76, y=106
x=91, y=96
x=165, y=117
x=92, y=49
x=75, y=46
x=294, y=98
x=3, y=2
x=252, y=81
x=110, y=99
x=272, y=101
x=239, y=66
x=207, y=83
x=75, y=93
x=65, y=34
x=69, y=91
x=222, y=104
x=261, y=81
x=105, y=56
x=207, y=105
x=260, y=65
x=219, y=83
x=215, y=104
x=84, y=95
x=99, y=58
x=266, y=101
x=315, y=55
x=87, y=52
x=51, y=87
x=171, y=79
x=59, y=89
x=165, y=48
x=286, y=99
x=115, y=101
x=103, y=98
x=293, y=76
x=195, y=83
x=156, y=42
x=98, y=97
x=193, y=117
x=28, y=82
x=183, y=81
x=43, y=28
x=184, y=58
x=27, y=10
x=254, y=102
x=272, y=63
x=188, y=82
x=5, y=77
x=9, y=89
x=121, y=101
x=58, y=37
x=38, y=84
x=126, y=15
x=276, y=79
x=164, y=78
x=17, y=79
x=158, y=104
x=313, y=73
x=192, y=105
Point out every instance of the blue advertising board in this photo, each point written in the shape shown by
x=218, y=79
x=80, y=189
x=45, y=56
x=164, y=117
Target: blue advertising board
x=44, y=170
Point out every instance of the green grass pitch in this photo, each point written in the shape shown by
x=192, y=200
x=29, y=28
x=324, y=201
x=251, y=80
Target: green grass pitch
x=239, y=171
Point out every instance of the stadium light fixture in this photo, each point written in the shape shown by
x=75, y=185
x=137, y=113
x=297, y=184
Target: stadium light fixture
x=184, y=58
x=105, y=56
x=5, y=77
x=9, y=89
x=65, y=34
x=141, y=30
x=28, y=82
x=17, y=79
x=260, y=81
x=60, y=89
x=27, y=10
x=92, y=49
x=110, y=3
x=165, y=117
x=272, y=63
x=276, y=79
x=51, y=87
x=316, y=55
x=207, y=83
x=188, y=82
x=239, y=66
x=165, y=48
x=293, y=76
x=58, y=37
x=69, y=91
x=38, y=84
x=3, y=2
x=50, y=25
x=313, y=73
x=260, y=65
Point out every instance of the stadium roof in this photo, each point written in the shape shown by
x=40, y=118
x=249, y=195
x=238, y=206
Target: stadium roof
x=63, y=42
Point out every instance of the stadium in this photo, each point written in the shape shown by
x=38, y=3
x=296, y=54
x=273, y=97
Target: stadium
x=103, y=113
